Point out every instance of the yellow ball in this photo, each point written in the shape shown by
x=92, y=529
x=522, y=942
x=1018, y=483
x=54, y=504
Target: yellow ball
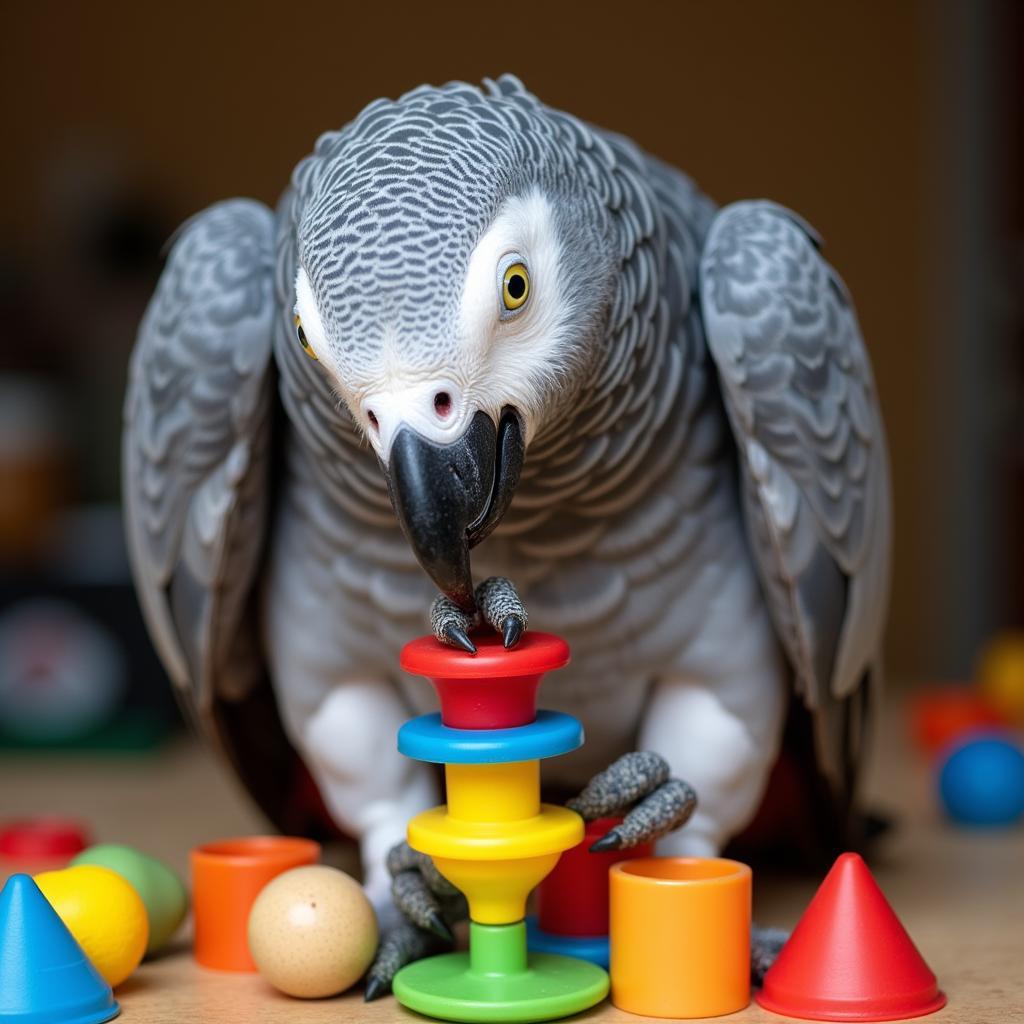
x=312, y=932
x=105, y=915
x=1001, y=674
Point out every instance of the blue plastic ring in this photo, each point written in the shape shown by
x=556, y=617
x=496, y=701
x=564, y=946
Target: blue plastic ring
x=593, y=948
x=550, y=734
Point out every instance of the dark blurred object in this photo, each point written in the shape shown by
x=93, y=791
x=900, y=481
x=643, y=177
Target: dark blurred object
x=33, y=468
x=76, y=666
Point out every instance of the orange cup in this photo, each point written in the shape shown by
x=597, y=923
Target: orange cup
x=227, y=876
x=680, y=936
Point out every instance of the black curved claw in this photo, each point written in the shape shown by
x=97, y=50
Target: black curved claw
x=403, y=945
x=611, y=840
x=437, y=925
x=458, y=637
x=376, y=987
x=511, y=631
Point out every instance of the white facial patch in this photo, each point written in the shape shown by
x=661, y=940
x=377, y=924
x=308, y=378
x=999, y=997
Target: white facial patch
x=512, y=354
x=312, y=325
x=503, y=357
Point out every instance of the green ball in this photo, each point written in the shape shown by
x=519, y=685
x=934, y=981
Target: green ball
x=161, y=889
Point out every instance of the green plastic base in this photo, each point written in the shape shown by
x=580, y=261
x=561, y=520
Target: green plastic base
x=496, y=981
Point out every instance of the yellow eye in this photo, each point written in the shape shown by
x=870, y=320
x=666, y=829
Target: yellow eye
x=515, y=286
x=303, y=340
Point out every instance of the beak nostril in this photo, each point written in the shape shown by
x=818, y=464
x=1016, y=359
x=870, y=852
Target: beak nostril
x=372, y=417
x=443, y=404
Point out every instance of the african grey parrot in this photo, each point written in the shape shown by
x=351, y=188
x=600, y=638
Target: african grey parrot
x=525, y=336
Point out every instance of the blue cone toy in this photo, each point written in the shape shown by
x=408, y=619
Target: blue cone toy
x=45, y=978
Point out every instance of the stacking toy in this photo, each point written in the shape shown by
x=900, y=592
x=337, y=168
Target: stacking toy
x=45, y=978
x=680, y=936
x=572, y=902
x=227, y=876
x=494, y=840
x=849, y=958
x=161, y=889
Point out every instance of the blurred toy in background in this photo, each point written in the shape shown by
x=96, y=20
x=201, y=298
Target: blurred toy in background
x=62, y=675
x=76, y=669
x=41, y=843
x=703, y=510
x=1000, y=674
x=941, y=714
x=974, y=737
x=33, y=467
x=160, y=889
x=981, y=780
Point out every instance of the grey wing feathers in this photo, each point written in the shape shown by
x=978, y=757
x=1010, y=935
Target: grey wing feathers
x=196, y=446
x=798, y=389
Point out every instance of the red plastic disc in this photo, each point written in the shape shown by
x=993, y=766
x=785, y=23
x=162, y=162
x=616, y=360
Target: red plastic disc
x=573, y=899
x=42, y=837
x=493, y=689
x=849, y=957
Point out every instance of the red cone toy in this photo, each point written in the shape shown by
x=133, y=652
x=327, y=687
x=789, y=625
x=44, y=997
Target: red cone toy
x=849, y=958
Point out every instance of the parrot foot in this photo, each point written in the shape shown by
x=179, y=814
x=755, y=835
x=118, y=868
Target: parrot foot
x=765, y=946
x=400, y=946
x=637, y=786
x=430, y=905
x=499, y=606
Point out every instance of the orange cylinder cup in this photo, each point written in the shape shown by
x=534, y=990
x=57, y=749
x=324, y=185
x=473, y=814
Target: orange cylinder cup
x=680, y=936
x=227, y=876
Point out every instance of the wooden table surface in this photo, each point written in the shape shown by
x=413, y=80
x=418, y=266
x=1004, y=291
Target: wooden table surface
x=960, y=893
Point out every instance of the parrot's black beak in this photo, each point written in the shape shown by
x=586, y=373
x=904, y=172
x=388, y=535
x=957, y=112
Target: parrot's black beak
x=448, y=497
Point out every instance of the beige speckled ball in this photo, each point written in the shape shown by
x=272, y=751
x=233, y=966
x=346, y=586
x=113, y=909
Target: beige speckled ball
x=312, y=932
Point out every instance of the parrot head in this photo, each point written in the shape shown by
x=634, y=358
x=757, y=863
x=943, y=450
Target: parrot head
x=454, y=273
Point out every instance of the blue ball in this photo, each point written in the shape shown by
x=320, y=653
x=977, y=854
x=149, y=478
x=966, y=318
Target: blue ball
x=981, y=781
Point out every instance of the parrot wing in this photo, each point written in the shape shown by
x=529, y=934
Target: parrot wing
x=800, y=397
x=196, y=449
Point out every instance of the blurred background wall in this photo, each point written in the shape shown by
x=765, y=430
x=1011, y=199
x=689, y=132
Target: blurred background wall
x=895, y=128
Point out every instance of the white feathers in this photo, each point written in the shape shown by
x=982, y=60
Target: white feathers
x=309, y=313
x=435, y=409
x=511, y=357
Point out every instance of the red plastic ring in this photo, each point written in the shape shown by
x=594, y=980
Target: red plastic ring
x=493, y=689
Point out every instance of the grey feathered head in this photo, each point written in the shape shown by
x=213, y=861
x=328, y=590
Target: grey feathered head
x=455, y=271
x=447, y=242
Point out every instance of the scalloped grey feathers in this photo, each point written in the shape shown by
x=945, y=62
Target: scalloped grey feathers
x=195, y=447
x=800, y=396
